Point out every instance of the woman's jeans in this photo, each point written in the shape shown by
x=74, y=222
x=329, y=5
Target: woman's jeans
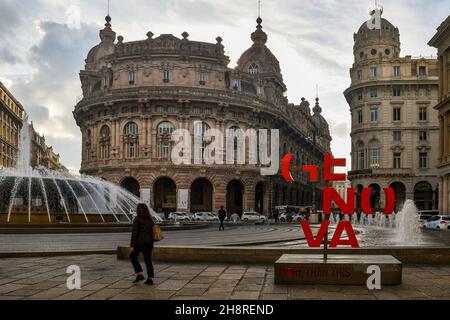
x=147, y=252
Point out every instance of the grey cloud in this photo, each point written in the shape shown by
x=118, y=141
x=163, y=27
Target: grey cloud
x=7, y=56
x=54, y=85
x=341, y=130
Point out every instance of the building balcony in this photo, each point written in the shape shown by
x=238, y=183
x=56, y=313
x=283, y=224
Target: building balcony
x=379, y=172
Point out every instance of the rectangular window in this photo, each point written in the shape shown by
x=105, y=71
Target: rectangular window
x=361, y=159
x=397, y=114
x=360, y=116
x=235, y=84
x=397, y=136
x=374, y=93
x=166, y=76
x=397, y=160
x=423, y=160
x=374, y=157
x=360, y=75
x=360, y=96
x=172, y=109
x=131, y=150
x=373, y=72
x=374, y=115
x=397, y=92
x=396, y=71
x=423, y=136
x=202, y=78
x=132, y=79
x=422, y=71
x=423, y=114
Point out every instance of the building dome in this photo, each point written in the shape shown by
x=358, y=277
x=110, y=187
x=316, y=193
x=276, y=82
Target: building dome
x=259, y=55
x=374, y=43
x=317, y=116
x=104, y=48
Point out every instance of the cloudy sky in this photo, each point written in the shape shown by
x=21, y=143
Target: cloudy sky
x=44, y=43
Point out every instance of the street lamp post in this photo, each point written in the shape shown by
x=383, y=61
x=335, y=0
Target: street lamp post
x=314, y=207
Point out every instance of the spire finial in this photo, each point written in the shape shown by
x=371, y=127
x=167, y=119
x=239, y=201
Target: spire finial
x=259, y=20
x=108, y=17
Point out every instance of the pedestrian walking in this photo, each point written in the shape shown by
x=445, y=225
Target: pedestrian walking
x=222, y=216
x=142, y=242
x=275, y=216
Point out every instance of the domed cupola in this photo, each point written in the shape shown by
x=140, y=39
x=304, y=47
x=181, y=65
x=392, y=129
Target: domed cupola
x=318, y=119
x=376, y=40
x=106, y=47
x=258, y=60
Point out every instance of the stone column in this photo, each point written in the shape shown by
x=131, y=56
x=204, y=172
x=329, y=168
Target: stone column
x=220, y=196
x=446, y=140
x=445, y=195
x=249, y=197
x=441, y=193
x=441, y=139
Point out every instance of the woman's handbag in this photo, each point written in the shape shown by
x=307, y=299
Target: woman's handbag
x=157, y=233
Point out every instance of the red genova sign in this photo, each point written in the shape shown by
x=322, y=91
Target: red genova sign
x=330, y=195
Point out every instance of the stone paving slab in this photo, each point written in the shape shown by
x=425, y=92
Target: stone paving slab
x=105, y=278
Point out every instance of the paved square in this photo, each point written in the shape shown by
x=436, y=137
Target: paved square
x=103, y=277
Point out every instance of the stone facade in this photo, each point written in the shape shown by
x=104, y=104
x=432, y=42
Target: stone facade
x=11, y=114
x=135, y=94
x=43, y=155
x=441, y=41
x=395, y=130
x=11, y=121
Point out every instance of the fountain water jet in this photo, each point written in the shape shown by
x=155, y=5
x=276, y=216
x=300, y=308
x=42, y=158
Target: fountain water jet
x=40, y=195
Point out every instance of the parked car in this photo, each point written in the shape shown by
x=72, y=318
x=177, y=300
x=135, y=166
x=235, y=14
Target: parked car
x=423, y=218
x=438, y=222
x=205, y=216
x=425, y=215
x=254, y=216
x=291, y=217
x=179, y=216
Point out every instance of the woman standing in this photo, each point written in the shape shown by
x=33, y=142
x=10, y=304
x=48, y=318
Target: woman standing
x=142, y=242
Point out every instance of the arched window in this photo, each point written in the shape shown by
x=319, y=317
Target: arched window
x=105, y=132
x=131, y=128
x=165, y=128
x=131, y=140
x=164, y=144
x=200, y=141
x=105, y=142
x=253, y=68
x=374, y=153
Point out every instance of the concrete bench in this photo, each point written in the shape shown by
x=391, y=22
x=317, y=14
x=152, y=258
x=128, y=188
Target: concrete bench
x=297, y=269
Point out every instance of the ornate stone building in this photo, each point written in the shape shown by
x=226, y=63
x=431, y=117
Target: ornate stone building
x=11, y=121
x=43, y=155
x=135, y=94
x=11, y=115
x=441, y=41
x=395, y=130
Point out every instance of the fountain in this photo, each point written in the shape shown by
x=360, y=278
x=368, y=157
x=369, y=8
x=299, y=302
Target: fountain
x=407, y=223
x=40, y=195
x=403, y=227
